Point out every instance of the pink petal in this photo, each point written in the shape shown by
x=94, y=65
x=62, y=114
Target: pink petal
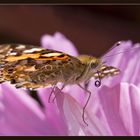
x=126, y=61
x=21, y=115
x=58, y=42
x=54, y=112
x=130, y=108
x=119, y=109
x=73, y=112
x=133, y=68
x=76, y=92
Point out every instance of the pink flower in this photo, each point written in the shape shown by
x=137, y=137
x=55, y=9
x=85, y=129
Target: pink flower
x=113, y=108
x=115, y=105
x=118, y=98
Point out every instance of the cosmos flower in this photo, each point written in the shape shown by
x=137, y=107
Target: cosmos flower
x=113, y=108
x=118, y=106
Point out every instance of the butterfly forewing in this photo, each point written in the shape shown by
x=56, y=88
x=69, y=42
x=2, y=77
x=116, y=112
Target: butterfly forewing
x=34, y=67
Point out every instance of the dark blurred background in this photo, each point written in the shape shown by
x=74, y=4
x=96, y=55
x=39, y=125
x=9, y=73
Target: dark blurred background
x=92, y=28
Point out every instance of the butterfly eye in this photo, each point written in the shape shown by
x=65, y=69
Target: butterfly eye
x=94, y=65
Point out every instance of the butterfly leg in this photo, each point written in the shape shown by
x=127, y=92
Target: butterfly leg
x=83, y=114
x=86, y=84
x=53, y=90
x=59, y=92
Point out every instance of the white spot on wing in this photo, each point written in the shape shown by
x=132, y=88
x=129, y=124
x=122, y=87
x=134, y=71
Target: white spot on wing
x=13, y=53
x=51, y=54
x=32, y=50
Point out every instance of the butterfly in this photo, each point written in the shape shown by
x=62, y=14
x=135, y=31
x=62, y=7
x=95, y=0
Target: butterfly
x=33, y=67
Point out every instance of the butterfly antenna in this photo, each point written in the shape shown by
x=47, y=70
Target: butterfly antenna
x=125, y=51
x=98, y=82
x=114, y=46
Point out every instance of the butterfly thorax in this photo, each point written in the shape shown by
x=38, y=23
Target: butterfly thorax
x=91, y=65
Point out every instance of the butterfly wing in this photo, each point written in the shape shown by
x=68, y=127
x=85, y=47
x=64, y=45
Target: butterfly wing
x=33, y=67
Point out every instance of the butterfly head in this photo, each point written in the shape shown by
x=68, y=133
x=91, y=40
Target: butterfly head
x=96, y=68
x=91, y=62
x=91, y=65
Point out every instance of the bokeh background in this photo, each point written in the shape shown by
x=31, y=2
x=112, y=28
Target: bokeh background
x=92, y=28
